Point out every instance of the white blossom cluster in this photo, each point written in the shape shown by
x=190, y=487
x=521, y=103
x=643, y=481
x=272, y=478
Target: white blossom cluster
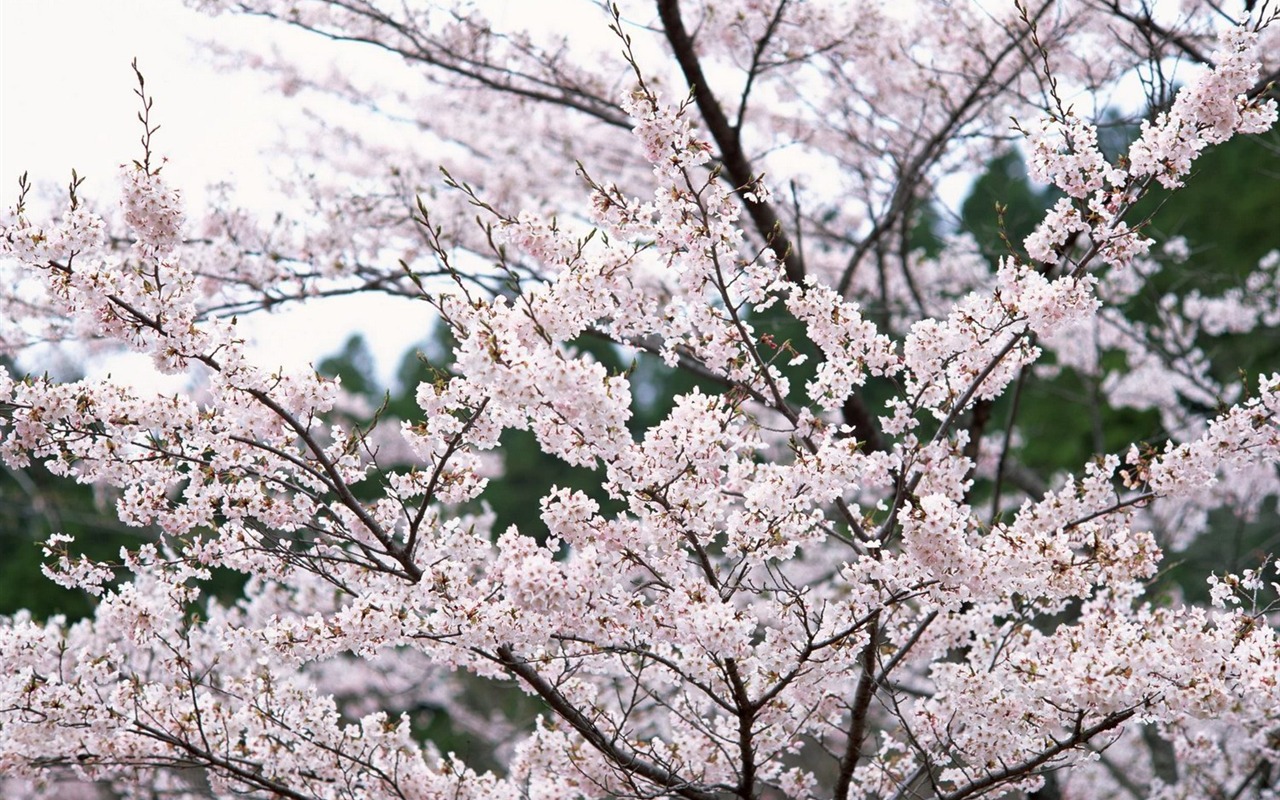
x=778, y=591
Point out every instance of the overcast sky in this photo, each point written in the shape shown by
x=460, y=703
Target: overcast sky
x=68, y=90
x=66, y=101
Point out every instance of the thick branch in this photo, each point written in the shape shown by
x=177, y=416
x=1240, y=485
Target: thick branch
x=606, y=745
x=861, y=705
x=245, y=774
x=728, y=140
x=488, y=75
x=1015, y=771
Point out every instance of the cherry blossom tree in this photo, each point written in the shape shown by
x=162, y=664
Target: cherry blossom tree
x=826, y=572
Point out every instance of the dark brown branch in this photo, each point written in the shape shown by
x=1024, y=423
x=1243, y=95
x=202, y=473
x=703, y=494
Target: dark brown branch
x=746, y=713
x=756, y=68
x=606, y=745
x=859, y=418
x=1015, y=771
x=861, y=706
x=1149, y=26
x=978, y=420
x=725, y=135
x=1002, y=463
x=236, y=771
x=487, y=75
x=904, y=193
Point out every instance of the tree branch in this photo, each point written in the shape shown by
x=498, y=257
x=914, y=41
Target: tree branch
x=726, y=136
x=606, y=745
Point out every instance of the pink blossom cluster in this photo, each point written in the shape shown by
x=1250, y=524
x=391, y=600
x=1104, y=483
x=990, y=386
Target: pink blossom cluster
x=852, y=591
x=1207, y=112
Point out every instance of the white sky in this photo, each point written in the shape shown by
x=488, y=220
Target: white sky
x=68, y=91
x=66, y=101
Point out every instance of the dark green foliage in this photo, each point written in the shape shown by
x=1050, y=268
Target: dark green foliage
x=34, y=505
x=1002, y=204
x=1242, y=175
x=354, y=366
